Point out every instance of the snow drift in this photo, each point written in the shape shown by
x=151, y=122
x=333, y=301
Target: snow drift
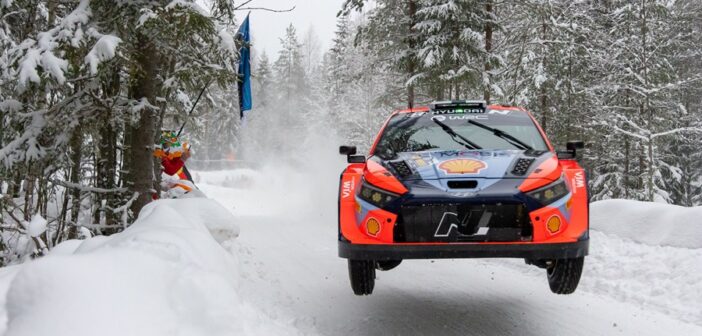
x=649, y=223
x=164, y=275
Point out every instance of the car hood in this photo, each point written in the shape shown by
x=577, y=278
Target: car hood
x=477, y=164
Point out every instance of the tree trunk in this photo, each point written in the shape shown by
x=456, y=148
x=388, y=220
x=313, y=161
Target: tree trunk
x=107, y=156
x=488, y=51
x=627, y=172
x=15, y=186
x=141, y=175
x=76, y=143
x=29, y=181
x=545, y=114
x=411, y=44
x=646, y=110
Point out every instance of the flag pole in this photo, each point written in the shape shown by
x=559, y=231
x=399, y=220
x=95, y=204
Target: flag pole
x=193, y=107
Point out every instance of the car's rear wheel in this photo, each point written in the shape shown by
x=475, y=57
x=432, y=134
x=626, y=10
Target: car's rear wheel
x=386, y=265
x=362, y=275
x=564, y=274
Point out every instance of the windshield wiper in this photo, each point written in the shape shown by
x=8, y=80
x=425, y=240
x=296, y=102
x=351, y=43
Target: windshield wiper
x=463, y=141
x=500, y=133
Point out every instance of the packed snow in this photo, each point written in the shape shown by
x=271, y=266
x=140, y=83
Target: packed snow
x=288, y=248
x=170, y=273
x=185, y=269
x=649, y=223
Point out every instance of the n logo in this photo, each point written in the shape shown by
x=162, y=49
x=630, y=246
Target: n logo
x=450, y=222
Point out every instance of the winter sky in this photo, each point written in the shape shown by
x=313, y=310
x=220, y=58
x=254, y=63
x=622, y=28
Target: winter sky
x=268, y=27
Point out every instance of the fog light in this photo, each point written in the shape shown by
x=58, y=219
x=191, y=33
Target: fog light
x=553, y=224
x=373, y=227
x=549, y=194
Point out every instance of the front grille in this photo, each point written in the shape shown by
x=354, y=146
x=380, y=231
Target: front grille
x=401, y=167
x=522, y=166
x=463, y=223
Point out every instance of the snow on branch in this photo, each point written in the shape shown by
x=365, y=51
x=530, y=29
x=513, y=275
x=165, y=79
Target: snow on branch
x=623, y=131
x=81, y=187
x=40, y=53
x=103, y=50
x=32, y=150
x=678, y=130
x=143, y=104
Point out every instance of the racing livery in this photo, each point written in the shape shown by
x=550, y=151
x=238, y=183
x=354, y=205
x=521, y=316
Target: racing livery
x=462, y=179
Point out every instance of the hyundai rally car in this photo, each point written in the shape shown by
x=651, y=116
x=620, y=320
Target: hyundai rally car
x=461, y=179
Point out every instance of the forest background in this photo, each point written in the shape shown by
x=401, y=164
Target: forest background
x=86, y=86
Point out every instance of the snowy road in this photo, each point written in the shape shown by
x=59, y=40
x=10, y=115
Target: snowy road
x=290, y=269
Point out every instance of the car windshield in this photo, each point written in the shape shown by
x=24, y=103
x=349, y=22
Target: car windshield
x=422, y=131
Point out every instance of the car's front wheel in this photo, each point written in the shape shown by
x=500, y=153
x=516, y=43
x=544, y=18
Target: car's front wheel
x=386, y=265
x=564, y=274
x=362, y=275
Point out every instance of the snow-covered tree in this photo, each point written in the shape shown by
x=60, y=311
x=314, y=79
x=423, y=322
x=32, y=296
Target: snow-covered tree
x=84, y=87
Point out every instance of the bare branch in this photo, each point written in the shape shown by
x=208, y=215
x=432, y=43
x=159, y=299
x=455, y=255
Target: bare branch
x=242, y=5
x=269, y=9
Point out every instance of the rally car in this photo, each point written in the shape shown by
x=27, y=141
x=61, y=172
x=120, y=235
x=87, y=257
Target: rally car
x=463, y=179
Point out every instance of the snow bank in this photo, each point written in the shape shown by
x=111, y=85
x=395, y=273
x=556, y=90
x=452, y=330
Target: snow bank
x=164, y=275
x=658, y=278
x=649, y=223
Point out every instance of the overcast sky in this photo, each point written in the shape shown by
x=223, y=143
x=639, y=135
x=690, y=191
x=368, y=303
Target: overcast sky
x=267, y=27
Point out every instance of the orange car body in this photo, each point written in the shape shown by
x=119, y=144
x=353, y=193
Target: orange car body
x=427, y=216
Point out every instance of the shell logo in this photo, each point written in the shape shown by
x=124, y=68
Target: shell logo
x=373, y=227
x=553, y=224
x=462, y=166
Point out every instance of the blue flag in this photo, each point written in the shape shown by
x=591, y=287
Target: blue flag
x=244, y=67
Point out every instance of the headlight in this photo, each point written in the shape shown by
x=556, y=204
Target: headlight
x=376, y=196
x=551, y=192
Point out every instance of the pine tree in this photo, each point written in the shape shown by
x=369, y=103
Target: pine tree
x=85, y=88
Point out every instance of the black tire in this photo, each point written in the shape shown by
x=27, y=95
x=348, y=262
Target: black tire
x=564, y=274
x=362, y=275
x=386, y=265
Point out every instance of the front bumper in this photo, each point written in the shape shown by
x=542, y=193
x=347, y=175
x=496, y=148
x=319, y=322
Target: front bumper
x=533, y=251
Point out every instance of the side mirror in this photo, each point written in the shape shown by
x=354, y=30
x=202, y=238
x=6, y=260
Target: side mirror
x=356, y=159
x=350, y=152
x=347, y=150
x=571, y=151
x=575, y=145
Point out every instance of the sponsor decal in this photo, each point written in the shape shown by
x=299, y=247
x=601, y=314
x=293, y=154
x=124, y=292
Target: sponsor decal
x=420, y=162
x=347, y=188
x=553, y=224
x=461, y=117
x=579, y=180
x=456, y=153
x=501, y=112
x=373, y=227
x=463, y=166
x=461, y=110
x=416, y=114
x=450, y=222
x=463, y=194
